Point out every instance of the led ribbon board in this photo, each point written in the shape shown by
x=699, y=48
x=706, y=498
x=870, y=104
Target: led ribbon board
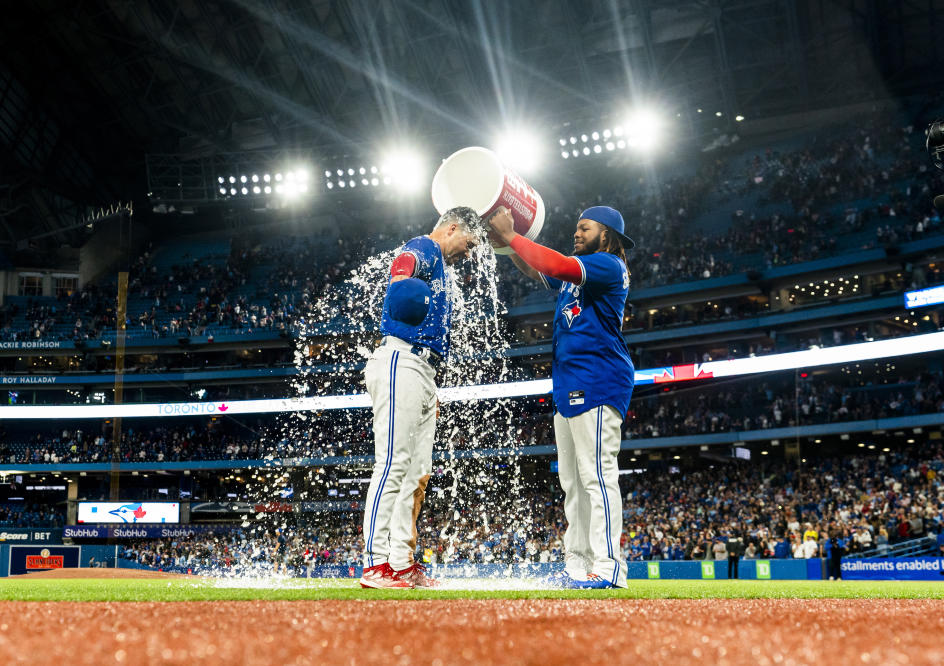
x=864, y=351
x=129, y=512
x=921, y=297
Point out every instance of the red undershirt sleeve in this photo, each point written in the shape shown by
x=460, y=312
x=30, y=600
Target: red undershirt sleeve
x=404, y=264
x=546, y=261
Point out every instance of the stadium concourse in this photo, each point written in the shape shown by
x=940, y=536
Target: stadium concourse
x=202, y=206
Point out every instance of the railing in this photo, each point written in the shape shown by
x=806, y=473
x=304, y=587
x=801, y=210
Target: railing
x=911, y=548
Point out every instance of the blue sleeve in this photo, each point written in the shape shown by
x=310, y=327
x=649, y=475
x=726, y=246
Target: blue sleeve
x=602, y=271
x=426, y=257
x=550, y=282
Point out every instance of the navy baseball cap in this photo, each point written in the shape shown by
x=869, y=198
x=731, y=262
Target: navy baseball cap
x=408, y=301
x=609, y=217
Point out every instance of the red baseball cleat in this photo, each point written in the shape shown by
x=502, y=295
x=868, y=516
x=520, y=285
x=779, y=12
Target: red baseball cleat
x=416, y=575
x=382, y=576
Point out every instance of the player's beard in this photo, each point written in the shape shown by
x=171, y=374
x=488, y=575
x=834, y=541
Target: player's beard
x=590, y=246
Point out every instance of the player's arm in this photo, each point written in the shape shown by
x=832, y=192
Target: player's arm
x=541, y=260
x=408, y=297
x=524, y=268
x=515, y=259
x=403, y=267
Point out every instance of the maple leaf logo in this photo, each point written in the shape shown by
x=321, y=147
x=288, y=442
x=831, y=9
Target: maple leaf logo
x=223, y=407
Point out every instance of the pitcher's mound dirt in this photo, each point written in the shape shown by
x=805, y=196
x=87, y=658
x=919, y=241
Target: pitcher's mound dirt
x=770, y=632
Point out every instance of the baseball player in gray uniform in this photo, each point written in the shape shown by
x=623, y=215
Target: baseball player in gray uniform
x=401, y=380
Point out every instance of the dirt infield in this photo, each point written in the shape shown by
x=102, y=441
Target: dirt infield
x=762, y=631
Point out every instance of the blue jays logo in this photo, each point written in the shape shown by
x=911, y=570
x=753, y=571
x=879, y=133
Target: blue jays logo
x=571, y=311
x=129, y=513
x=574, y=308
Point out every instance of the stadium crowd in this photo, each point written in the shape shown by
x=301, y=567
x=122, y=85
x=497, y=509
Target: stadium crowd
x=781, y=511
x=764, y=404
x=15, y=514
x=874, y=164
x=242, y=551
x=209, y=440
x=857, y=503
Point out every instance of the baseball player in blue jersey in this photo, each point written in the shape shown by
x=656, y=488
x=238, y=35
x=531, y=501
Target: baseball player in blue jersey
x=401, y=380
x=593, y=380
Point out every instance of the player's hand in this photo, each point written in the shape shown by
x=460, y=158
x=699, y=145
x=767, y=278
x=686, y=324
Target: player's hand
x=493, y=239
x=501, y=226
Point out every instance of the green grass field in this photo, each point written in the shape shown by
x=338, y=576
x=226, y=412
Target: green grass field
x=345, y=589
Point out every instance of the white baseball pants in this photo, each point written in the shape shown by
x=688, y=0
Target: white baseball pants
x=402, y=389
x=587, y=447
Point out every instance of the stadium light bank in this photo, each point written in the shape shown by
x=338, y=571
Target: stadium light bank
x=641, y=130
x=520, y=149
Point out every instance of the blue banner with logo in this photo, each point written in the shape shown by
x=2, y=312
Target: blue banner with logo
x=30, y=535
x=139, y=531
x=84, y=532
x=20, y=345
x=894, y=568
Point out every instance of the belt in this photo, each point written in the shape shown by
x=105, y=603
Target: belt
x=434, y=358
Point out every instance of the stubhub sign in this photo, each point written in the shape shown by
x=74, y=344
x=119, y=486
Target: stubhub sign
x=84, y=532
x=138, y=531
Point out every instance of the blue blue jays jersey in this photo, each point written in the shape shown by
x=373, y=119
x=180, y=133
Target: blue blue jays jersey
x=591, y=363
x=433, y=331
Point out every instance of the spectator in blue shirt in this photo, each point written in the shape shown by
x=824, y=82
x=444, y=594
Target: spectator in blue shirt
x=782, y=549
x=645, y=548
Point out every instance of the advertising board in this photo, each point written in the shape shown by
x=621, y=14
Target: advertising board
x=29, y=559
x=128, y=512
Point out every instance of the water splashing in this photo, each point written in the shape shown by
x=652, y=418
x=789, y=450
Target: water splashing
x=474, y=497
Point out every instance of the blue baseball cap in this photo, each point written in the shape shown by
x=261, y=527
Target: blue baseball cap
x=609, y=217
x=408, y=301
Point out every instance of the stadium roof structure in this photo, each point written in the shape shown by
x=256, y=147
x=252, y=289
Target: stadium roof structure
x=88, y=88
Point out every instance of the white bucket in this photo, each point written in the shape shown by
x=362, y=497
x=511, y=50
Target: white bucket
x=476, y=178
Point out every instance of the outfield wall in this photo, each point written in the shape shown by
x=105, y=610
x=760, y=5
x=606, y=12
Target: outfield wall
x=25, y=558
x=892, y=568
x=811, y=569
x=13, y=560
x=669, y=570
